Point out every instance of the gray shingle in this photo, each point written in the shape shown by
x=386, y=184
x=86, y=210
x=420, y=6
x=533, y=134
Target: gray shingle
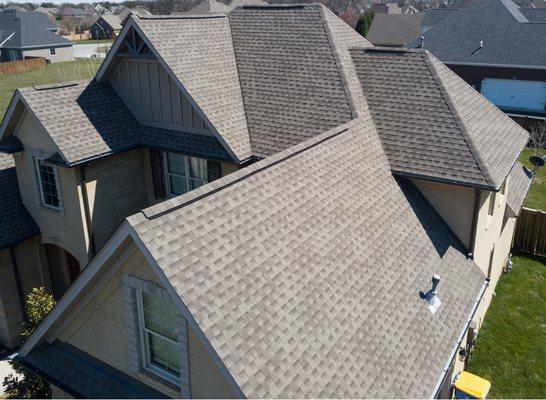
x=508, y=37
x=291, y=85
x=207, y=70
x=303, y=272
x=32, y=29
x=395, y=29
x=17, y=225
x=432, y=124
x=96, y=122
x=519, y=182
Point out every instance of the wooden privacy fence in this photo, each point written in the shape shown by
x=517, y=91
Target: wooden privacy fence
x=30, y=64
x=530, y=236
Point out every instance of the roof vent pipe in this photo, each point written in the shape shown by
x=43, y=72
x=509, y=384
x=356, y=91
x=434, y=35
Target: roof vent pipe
x=431, y=297
x=422, y=42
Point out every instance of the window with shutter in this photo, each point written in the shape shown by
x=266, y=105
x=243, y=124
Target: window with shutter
x=159, y=336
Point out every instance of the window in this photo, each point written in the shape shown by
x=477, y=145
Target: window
x=159, y=335
x=492, y=198
x=52, y=51
x=48, y=177
x=184, y=173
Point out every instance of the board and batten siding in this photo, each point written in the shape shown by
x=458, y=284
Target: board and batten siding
x=154, y=97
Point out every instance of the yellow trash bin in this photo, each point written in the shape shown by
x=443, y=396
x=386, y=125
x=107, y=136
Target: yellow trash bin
x=470, y=386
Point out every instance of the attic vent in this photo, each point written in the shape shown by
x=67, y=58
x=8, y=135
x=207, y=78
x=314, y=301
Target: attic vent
x=55, y=86
x=431, y=297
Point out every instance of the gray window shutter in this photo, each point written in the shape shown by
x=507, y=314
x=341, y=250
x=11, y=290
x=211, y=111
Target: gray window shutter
x=214, y=170
x=156, y=159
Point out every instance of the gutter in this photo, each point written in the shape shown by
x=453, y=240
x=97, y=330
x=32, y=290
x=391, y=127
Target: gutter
x=447, y=366
x=494, y=65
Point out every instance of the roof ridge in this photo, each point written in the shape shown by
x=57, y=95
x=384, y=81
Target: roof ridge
x=166, y=207
x=458, y=120
x=337, y=59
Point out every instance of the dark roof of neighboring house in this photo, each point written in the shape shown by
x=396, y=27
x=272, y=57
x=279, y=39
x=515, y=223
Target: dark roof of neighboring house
x=519, y=182
x=508, y=36
x=83, y=376
x=31, y=28
x=395, y=29
x=97, y=122
x=17, y=224
x=323, y=256
x=432, y=123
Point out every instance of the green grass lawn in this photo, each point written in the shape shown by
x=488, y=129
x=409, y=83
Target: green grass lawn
x=511, y=347
x=51, y=73
x=537, y=194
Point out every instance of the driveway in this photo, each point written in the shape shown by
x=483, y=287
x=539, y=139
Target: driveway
x=88, y=50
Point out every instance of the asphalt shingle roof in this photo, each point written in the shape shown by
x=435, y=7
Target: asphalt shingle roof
x=291, y=84
x=520, y=179
x=508, y=37
x=395, y=29
x=303, y=272
x=32, y=29
x=97, y=122
x=17, y=225
x=208, y=70
x=432, y=123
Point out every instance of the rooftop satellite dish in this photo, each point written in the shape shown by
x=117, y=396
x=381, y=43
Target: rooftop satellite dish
x=537, y=161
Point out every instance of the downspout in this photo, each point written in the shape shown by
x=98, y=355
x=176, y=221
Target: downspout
x=87, y=211
x=474, y=226
x=447, y=366
x=17, y=281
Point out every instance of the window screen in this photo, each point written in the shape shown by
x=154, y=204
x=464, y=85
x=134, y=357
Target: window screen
x=48, y=184
x=160, y=334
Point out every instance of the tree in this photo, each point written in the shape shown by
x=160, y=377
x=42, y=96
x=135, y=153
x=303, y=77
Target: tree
x=28, y=385
x=364, y=23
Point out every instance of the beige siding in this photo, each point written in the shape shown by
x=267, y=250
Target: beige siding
x=454, y=203
x=154, y=97
x=117, y=186
x=62, y=54
x=64, y=228
x=99, y=330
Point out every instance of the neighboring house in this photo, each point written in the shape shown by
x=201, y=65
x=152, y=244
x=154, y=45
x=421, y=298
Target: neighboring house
x=125, y=12
x=276, y=246
x=107, y=26
x=49, y=11
x=71, y=12
x=499, y=52
x=31, y=34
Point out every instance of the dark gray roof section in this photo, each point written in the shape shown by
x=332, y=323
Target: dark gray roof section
x=519, y=182
x=432, y=124
x=17, y=225
x=32, y=29
x=97, y=123
x=328, y=266
x=83, y=376
x=291, y=85
x=395, y=29
x=507, y=35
